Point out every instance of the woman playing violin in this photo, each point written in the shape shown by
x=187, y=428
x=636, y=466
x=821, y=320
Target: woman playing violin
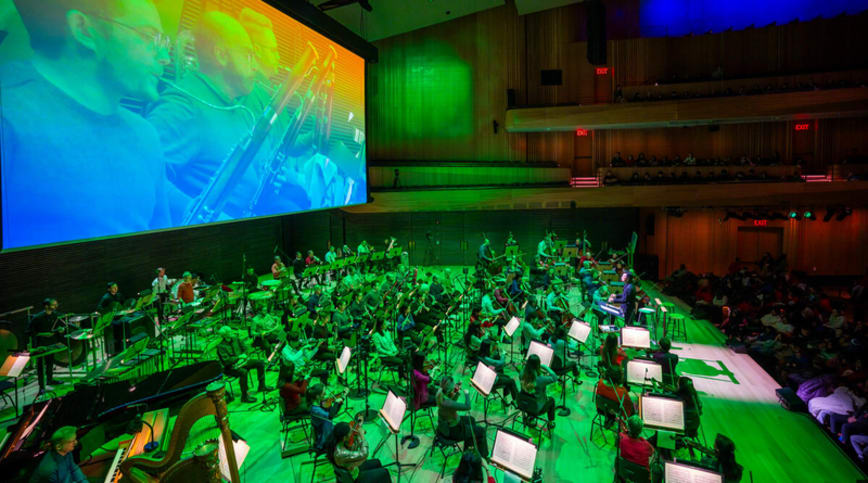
x=346, y=448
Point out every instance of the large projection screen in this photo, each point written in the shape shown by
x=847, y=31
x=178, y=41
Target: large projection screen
x=129, y=116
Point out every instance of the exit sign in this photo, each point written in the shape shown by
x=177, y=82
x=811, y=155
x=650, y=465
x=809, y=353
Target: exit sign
x=803, y=126
x=760, y=222
x=602, y=70
x=581, y=132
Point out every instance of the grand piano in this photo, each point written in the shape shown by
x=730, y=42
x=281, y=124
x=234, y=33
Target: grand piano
x=125, y=428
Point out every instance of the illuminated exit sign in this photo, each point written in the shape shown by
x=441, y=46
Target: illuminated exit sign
x=760, y=222
x=581, y=132
x=602, y=70
x=803, y=126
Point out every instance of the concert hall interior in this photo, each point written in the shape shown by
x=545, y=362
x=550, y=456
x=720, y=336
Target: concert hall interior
x=433, y=240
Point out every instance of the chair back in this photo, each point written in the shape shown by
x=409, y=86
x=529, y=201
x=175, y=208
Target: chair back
x=605, y=405
x=342, y=475
x=526, y=402
x=629, y=471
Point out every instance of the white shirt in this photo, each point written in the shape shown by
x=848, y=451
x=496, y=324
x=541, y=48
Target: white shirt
x=160, y=284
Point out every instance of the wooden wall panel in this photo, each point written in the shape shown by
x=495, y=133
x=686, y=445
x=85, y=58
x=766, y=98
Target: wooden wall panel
x=77, y=274
x=704, y=243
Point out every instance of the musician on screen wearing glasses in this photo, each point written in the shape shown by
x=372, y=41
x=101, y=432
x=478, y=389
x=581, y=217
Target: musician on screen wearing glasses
x=63, y=122
x=58, y=465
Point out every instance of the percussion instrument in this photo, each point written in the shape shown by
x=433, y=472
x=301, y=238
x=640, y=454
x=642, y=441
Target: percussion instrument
x=77, y=351
x=260, y=296
x=77, y=319
x=271, y=283
x=8, y=340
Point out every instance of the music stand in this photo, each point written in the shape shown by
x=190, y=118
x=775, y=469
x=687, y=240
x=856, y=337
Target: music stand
x=581, y=332
x=677, y=472
x=544, y=352
x=635, y=337
x=514, y=454
x=392, y=413
x=662, y=412
x=510, y=328
x=343, y=360
x=643, y=372
x=394, y=252
x=13, y=367
x=483, y=381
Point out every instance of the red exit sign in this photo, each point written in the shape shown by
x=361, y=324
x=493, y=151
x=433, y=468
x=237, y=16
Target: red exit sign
x=803, y=126
x=602, y=70
x=581, y=132
x=760, y=222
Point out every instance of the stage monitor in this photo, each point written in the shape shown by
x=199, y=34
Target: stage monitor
x=684, y=473
x=643, y=371
x=171, y=114
x=514, y=454
x=580, y=331
x=544, y=352
x=635, y=337
x=659, y=412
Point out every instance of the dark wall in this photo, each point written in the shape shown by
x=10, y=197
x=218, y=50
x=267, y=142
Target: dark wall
x=76, y=274
x=460, y=233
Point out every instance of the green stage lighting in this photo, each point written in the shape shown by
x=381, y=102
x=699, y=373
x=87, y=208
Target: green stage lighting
x=794, y=214
x=809, y=215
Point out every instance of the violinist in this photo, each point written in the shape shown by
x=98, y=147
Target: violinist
x=346, y=448
x=385, y=347
x=322, y=411
x=422, y=397
x=488, y=308
x=612, y=356
x=342, y=320
x=454, y=427
x=556, y=303
x=534, y=379
x=265, y=329
x=406, y=324
x=479, y=344
x=292, y=385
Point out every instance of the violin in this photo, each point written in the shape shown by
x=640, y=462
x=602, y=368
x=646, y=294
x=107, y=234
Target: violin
x=327, y=402
x=355, y=431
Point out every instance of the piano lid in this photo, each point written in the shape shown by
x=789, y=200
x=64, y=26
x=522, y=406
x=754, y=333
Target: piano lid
x=89, y=405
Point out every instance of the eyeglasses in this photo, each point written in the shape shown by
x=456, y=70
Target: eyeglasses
x=158, y=40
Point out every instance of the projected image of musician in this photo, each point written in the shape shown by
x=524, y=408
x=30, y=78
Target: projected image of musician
x=76, y=164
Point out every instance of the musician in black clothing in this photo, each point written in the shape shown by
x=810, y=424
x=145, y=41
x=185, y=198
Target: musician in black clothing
x=111, y=299
x=484, y=256
x=627, y=298
x=232, y=353
x=43, y=331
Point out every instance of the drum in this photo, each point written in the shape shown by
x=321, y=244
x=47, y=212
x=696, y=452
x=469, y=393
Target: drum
x=77, y=350
x=8, y=340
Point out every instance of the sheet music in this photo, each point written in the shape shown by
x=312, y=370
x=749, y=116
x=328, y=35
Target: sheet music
x=681, y=473
x=511, y=326
x=14, y=365
x=241, y=449
x=637, y=337
x=544, y=352
x=580, y=331
x=343, y=360
x=638, y=370
x=514, y=454
x=662, y=412
x=393, y=411
x=483, y=379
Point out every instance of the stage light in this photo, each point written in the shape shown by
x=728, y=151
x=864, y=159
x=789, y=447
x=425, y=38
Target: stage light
x=794, y=214
x=809, y=215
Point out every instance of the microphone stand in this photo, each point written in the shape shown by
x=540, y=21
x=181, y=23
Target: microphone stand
x=563, y=410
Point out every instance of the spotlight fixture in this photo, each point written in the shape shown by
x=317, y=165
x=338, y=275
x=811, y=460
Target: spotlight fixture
x=809, y=215
x=794, y=215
